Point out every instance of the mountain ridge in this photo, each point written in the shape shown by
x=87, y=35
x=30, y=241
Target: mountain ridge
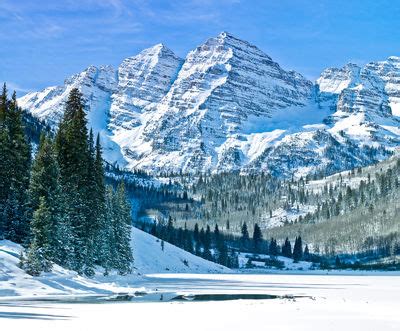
x=229, y=106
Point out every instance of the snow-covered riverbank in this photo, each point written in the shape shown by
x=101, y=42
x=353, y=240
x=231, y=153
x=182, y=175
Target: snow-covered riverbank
x=149, y=257
x=330, y=302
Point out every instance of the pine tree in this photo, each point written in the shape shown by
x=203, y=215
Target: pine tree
x=95, y=205
x=196, y=238
x=223, y=257
x=108, y=242
x=15, y=161
x=188, y=241
x=45, y=174
x=306, y=253
x=39, y=253
x=65, y=248
x=75, y=159
x=207, y=244
x=257, y=238
x=298, y=249
x=122, y=231
x=44, y=184
x=3, y=104
x=5, y=165
x=245, y=236
x=273, y=247
x=287, y=248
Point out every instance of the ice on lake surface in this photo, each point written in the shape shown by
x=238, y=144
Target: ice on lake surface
x=302, y=302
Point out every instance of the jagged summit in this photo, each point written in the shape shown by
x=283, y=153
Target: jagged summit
x=154, y=51
x=394, y=58
x=229, y=106
x=142, y=81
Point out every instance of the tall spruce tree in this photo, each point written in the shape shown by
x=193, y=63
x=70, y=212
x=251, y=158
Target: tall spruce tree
x=298, y=249
x=108, y=242
x=207, y=244
x=122, y=231
x=5, y=166
x=74, y=158
x=257, y=238
x=45, y=184
x=15, y=161
x=245, y=236
x=45, y=175
x=287, y=248
x=273, y=247
x=99, y=208
x=39, y=253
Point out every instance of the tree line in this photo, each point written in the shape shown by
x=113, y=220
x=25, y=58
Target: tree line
x=221, y=247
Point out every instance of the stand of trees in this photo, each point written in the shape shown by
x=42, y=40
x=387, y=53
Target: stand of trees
x=362, y=202
x=59, y=205
x=223, y=248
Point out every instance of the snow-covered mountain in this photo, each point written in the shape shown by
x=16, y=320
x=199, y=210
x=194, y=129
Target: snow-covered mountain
x=229, y=106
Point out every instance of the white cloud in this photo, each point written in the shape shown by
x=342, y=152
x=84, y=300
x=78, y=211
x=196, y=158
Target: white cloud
x=11, y=86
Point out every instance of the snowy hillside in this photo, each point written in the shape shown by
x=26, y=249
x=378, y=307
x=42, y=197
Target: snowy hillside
x=148, y=258
x=229, y=106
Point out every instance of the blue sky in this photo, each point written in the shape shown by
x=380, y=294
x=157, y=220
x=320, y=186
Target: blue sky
x=43, y=42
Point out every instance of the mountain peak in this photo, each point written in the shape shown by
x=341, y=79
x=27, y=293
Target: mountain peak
x=228, y=105
x=225, y=34
x=154, y=51
x=394, y=59
x=160, y=47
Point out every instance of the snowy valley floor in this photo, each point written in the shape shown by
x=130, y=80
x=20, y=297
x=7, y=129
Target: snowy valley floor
x=323, y=302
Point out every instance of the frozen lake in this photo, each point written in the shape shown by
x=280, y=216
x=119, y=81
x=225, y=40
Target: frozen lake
x=268, y=302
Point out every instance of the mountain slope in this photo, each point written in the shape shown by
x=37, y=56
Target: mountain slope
x=148, y=258
x=222, y=89
x=229, y=106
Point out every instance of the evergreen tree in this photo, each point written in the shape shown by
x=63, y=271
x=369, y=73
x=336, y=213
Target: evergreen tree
x=5, y=166
x=207, y=244
x=245, y=236
x=75, y=154
x=122, y=231
x=196, y=238
x=188, y=241
x=3, y=104
x=298, y=249
x=287, y=248
x=273, y=247
x=223, y=257
x=100, y=231
x=39, y=253
x=257, y=238
x=15, y=161
x=170, y=235
x=306, y=253
x=76, y=222
x=45, y=175
x=44, y=184
x=108, y=241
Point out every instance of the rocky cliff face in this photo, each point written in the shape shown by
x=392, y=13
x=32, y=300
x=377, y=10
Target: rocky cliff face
x=223, y=86
x=95, y=84
x=143, y=80
x=229, y=106
x=367, y=103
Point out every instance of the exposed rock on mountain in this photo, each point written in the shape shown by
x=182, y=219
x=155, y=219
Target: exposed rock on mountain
x=229, y=106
